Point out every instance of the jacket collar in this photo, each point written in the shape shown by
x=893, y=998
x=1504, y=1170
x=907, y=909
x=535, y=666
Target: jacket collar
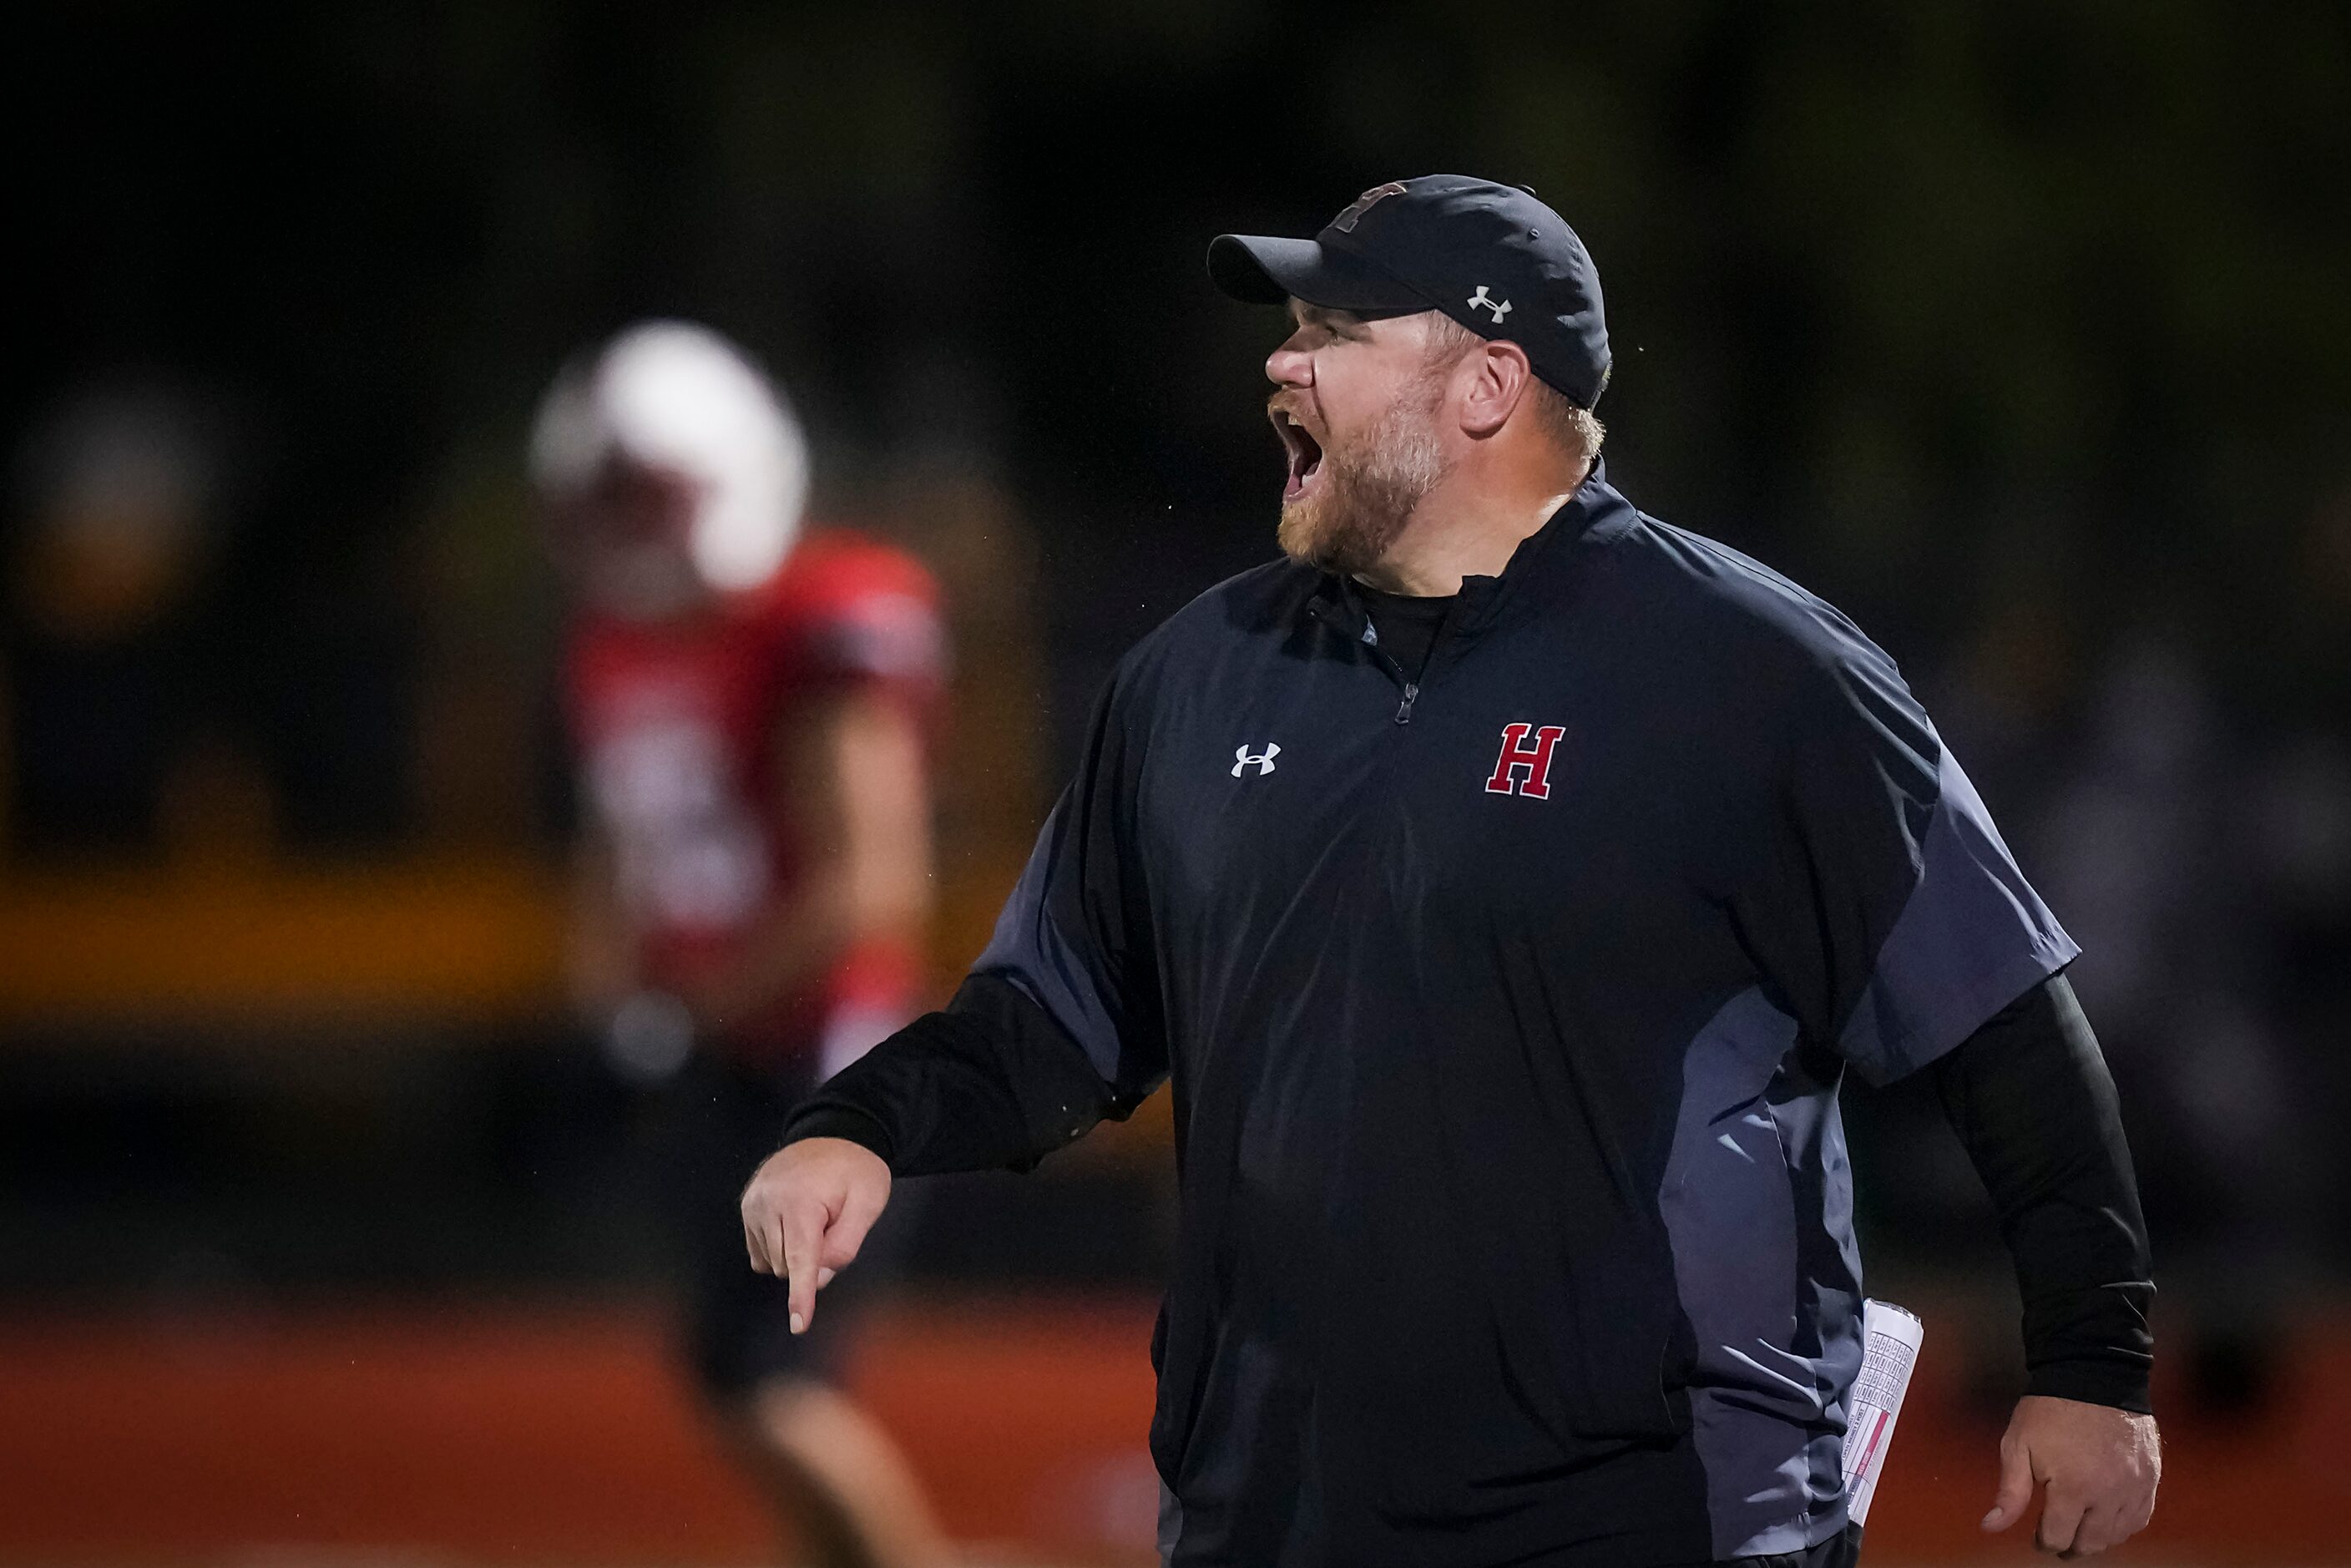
x=1538, y=563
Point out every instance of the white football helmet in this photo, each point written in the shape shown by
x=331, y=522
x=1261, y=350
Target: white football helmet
x=677, y=396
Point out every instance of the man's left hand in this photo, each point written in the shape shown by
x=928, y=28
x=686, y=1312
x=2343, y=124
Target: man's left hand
x=2100, y=1465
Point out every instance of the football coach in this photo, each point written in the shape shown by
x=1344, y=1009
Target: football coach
x=1505, y=881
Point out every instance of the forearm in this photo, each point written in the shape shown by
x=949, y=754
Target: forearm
x=2030, y=1097
x=833, y=911
x=849, y=779
x=991, y=1082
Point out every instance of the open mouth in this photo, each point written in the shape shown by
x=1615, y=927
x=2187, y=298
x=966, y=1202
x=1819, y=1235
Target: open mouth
x=1305, y=453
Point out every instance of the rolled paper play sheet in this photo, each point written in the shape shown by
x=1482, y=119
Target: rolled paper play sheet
x=1890, y=1338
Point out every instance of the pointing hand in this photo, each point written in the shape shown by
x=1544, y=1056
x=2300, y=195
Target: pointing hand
x=806, y=1212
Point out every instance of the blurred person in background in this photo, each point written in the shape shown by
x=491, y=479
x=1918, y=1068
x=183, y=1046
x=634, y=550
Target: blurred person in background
x=118, y=492
x=750, y=709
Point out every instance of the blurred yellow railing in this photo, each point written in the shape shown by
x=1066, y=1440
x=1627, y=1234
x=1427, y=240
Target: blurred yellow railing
x=466, y=940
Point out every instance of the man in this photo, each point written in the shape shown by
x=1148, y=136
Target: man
x=749, y=708
x=1504, y=879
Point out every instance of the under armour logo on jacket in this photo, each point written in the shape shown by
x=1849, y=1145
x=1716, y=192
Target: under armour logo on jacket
x=1500, y=307
x=1262, y=761
x=1519, y=755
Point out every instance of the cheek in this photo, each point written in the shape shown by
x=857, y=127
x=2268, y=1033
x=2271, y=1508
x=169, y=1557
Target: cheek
x=1339, y=400
x=1353, y=396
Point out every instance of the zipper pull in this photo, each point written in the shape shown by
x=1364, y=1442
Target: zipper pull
x=1403, y=711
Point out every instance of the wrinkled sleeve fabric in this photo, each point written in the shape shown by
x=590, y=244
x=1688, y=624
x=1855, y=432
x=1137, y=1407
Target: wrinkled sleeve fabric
x=2031, y=1099
x=1057, y=1025
x=1888, y=917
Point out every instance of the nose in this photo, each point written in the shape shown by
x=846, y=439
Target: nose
x=1290, y=365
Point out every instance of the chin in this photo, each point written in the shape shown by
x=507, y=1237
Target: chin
x=1302, y=534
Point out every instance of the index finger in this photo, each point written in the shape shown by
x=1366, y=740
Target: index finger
x=803, y=1225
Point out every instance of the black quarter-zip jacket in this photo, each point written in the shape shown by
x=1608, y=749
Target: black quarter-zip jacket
x=1505, y=1010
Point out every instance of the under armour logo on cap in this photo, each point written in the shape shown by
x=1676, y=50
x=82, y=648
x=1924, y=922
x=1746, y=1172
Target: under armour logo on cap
x=1500, y=307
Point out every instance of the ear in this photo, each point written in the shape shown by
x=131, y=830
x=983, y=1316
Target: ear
x=1498, y=376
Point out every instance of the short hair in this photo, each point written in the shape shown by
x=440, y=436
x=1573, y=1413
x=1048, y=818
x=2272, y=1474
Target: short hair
x=1571, y=428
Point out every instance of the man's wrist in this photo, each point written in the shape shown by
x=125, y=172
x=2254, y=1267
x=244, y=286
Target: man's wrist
x=2119, y=1382
x=839, y=1122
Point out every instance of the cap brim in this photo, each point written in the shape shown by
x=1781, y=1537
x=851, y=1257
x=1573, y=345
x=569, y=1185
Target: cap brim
x=1264, y=270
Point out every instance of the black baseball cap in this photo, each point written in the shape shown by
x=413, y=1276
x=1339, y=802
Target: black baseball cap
x=1492, y=257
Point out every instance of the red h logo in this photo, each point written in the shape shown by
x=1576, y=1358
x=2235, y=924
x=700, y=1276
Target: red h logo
x=1533, y=758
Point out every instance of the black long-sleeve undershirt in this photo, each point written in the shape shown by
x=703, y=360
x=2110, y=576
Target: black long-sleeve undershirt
x=2031, y=1101
x=993, y=1082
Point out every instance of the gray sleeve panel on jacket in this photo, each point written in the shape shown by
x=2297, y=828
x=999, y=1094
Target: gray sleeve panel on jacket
x=1030, y=951
x=1972, y=937
x=1758, y=1206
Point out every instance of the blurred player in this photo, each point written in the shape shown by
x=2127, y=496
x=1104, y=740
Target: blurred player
x=749, y=707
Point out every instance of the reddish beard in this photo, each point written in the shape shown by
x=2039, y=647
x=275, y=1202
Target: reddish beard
x=1368, y=486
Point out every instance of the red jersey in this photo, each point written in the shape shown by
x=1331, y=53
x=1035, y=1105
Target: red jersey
x=676, y=726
